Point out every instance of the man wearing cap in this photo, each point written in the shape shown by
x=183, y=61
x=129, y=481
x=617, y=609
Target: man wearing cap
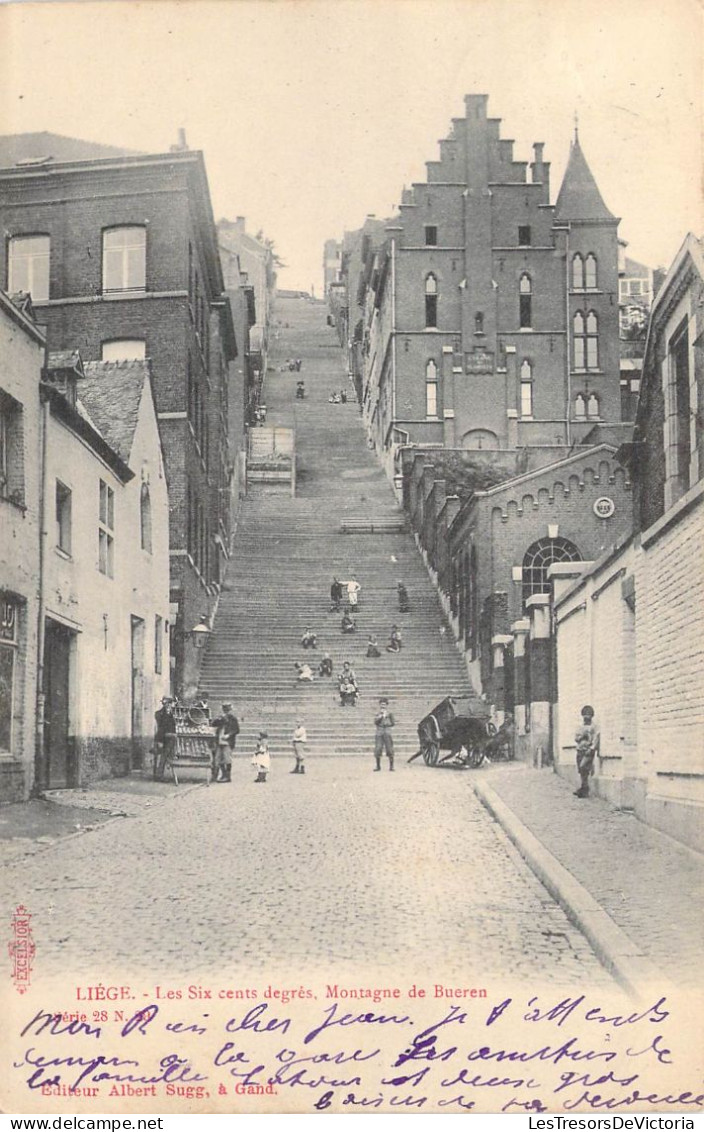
x=383, y=740
x=227, y=729
x=164, y=734
x=587, y=739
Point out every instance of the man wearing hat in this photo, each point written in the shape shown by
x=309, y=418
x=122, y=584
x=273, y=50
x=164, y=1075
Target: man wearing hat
x=227, y=729
x=383, y=740
x=587, y=739
x=164, y=734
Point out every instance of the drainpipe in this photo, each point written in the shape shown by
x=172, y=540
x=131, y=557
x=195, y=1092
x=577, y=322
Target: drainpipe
x=393, y=331
x=568, y=426
x=39, y=756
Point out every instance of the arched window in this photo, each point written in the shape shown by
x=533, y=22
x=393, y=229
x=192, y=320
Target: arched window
x=431, y=302
x=578, y=272
x=431, y=389
x=593, y=407
x=538, y=559
x=586, y=340
x=580, y=407
x=526, y=388
x=145, y=518
x=590, y=271
x=525, y=302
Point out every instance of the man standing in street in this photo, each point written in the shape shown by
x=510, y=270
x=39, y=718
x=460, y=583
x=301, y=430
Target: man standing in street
x=164, y=735
x=227, y=729
x=383, y=741
x=587, y=739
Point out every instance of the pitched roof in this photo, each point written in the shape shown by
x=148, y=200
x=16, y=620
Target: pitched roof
x=579, y=197
x=111, y=392
x=46, y=147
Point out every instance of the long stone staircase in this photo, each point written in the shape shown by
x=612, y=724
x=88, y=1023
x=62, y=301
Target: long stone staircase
x=286, y=552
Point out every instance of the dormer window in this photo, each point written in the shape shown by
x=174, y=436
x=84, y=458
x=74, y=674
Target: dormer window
x=124, y=259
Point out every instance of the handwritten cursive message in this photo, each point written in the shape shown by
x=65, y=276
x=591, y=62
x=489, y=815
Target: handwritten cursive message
x=328, y=1049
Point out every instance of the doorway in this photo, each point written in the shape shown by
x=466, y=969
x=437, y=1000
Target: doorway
x=60, y=768
x=137, y=692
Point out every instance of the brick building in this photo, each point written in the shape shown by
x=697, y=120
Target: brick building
x=21, y=360
x=490, y=526
x=491, y=316
x=629, y=630
x=119, y=252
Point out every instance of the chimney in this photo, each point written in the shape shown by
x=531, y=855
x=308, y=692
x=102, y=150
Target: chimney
x=181, y=143
x=540, y=169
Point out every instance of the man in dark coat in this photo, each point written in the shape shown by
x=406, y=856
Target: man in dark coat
x=164, y=735
x=227, y=729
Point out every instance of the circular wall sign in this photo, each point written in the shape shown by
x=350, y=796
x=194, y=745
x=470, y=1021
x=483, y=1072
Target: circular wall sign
x=604, y=507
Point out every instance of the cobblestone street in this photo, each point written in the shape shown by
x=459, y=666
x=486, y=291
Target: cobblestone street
x=340, y=870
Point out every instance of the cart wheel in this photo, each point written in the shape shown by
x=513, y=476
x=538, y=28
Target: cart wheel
x=431, y=753
x=491, y=729
x=475, y=756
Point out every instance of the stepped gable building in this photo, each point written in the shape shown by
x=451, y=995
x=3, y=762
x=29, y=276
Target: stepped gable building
x=492, y=314
x=22, y=348
x=629, y=631
x=119, y=252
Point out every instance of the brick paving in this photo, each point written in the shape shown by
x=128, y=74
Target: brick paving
x=649, y=884
x=343, y=869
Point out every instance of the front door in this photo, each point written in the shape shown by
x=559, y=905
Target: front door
x=57, y=666
x=137, y=693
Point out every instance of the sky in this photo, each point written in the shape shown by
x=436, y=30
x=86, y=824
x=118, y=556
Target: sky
x=314, y=113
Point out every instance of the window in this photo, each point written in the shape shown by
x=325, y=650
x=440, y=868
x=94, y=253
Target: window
x=479, y=323
x=431, y=389
x=590, y=271
x=124, y=350
x=593, y=407
x=586, y=341
x=28, y=266
x=431, y=302
x=63, y=517
x=431, y=236
x=525, y=301
x=526, y=388
x=524, y=235
x=580, y=407
x=11, y=449
x=145, y=518
x=577, y=272
x=677, y=426
x=635, y=286
x=124, y=259
x=8, y=649
x=106, y=530
x=158, y=643
x=538, y=559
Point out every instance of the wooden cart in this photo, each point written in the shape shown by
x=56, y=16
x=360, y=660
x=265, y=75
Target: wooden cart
x=194, y=745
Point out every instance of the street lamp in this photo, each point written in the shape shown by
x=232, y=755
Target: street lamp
x=201, y=632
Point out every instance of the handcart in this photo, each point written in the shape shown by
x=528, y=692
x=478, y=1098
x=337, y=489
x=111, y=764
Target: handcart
x=194, y=744
x=459, y=726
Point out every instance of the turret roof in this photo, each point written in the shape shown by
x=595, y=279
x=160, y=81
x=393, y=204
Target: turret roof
x=579, y=197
